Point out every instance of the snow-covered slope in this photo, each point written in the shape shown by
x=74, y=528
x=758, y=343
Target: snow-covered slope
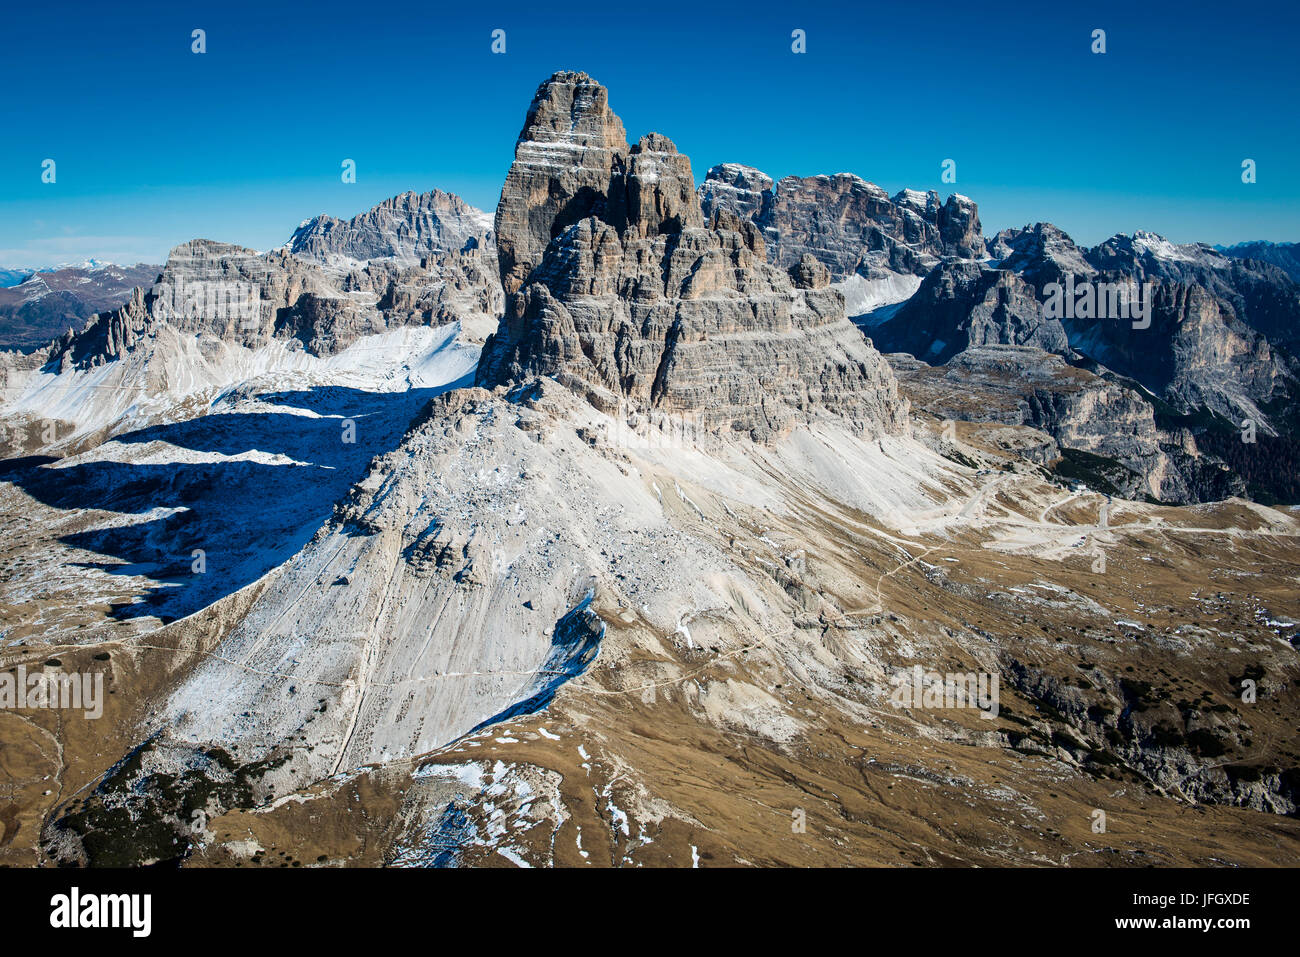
x=864, y=296
x=463, y=548
x=188, y=450
x=169, y=374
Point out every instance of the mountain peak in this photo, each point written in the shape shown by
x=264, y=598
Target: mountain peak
x=569, y=146
x=615, y=288
x=405, y=228
x=573, y=108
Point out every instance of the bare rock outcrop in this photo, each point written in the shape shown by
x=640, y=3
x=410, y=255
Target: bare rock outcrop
x=742, y=191
x=616, y=288
x=852, y=226
x=565, y=158
x=1082, y=411
x=407, y=228
x=961, y=304
x=1207, y=343
x=959, y=228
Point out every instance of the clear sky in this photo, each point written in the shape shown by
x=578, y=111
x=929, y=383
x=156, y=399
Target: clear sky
x=155, y=145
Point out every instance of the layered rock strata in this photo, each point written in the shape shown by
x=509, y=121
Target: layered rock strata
x=616, y=287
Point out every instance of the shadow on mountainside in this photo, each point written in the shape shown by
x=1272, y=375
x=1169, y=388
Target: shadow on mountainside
x=195, y=518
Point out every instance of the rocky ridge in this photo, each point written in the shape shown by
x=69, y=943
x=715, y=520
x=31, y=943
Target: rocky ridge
x=1211, y=360
x=849, y=225
x=407, y=228
x=1285, y=256
x=417, y=259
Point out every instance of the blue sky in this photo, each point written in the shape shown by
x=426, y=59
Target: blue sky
x=155, y=145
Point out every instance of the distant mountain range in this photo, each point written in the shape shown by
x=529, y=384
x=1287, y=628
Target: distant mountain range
x=1158, y=405
x=39, y=305
x=13, y=275
x=1285, y=256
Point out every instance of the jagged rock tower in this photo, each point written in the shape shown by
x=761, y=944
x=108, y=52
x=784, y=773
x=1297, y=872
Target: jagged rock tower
x=616, y=287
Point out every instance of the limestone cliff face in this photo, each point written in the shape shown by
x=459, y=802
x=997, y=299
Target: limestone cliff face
x=1212, y=317
x=1196, y=354
x=1018, y=385
x=838, y=219
x=565, y=158
x=850, y=225
x=1041, y=253
x=961, y=304
x=1259, y=294
x=206, y=288
x=1213, y=352
x=959, y=228
x=615, y=287
x=742, y=191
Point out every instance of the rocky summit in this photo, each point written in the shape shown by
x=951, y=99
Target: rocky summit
x=616, y=287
